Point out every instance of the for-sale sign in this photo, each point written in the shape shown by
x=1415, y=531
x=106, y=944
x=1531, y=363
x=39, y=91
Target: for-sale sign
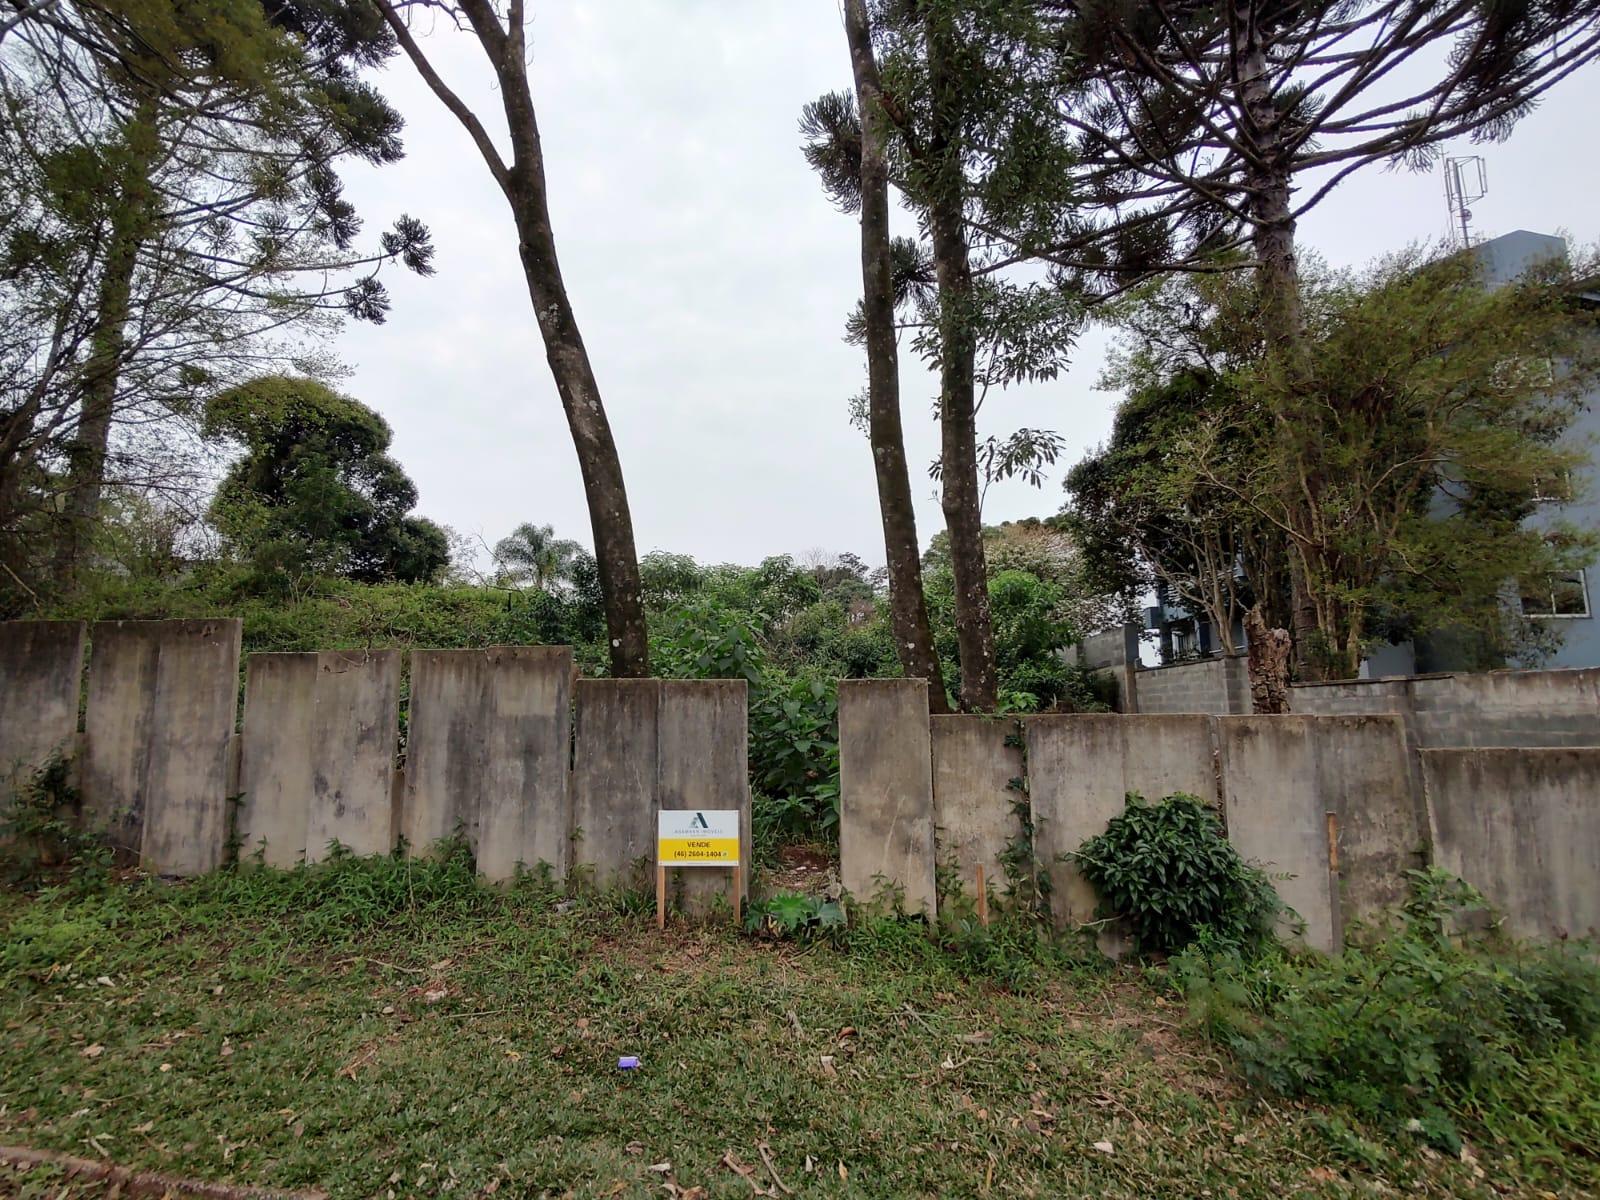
x=696, y=837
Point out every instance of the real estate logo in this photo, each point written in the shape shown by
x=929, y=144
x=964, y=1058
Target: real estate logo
x=698, y=838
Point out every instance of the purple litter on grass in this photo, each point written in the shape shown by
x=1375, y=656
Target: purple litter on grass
x=629, y=1063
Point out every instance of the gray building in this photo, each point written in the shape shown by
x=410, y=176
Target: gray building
x=1568, y=603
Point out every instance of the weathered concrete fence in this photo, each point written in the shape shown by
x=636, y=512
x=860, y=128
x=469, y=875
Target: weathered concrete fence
x=1324, y=803
x=489, y=755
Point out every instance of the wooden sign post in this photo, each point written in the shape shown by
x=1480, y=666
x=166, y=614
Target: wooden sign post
x=694, y=837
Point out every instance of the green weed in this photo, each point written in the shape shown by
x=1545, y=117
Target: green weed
x=1438, y=1035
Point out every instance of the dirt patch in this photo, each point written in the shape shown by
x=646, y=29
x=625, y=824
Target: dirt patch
x=808, y=869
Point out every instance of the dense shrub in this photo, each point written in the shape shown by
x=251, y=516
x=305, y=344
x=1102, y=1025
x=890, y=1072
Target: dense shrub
x=1031, y=632
x=336, y=614
x=794, y=720
x=1169, y=871
x=1420, y=1027
x=794, y=751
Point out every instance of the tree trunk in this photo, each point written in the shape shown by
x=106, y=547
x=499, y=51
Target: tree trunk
x=1282, y=316
x=908, y=609
x=610, y=518
x=961, y=498
x=1267, y=660
x=131, y=220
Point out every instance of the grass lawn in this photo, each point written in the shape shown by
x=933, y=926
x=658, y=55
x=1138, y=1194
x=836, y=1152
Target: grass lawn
x=391, y=1030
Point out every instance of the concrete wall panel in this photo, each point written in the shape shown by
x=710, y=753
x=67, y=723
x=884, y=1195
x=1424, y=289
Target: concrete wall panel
x=702, y=762
x=525, y=809
x=973, y=803
x=118, y=722
x=275, y=764
x=614, y=780
x=353, y=743
x=41, y=674
x=1276, y=813
x=886, y=791
x=445, y=752
x=1523, y=827
x=1364, y=776
x=162, y=697
x=1080, y=771
x=490, y=737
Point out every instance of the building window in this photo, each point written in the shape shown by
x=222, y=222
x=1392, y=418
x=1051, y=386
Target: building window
x=1555, y=488
x=1564, y=594
x=1521, y=373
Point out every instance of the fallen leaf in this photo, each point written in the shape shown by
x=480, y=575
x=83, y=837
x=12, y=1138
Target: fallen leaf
x=977, y=1039
x=434, y=995
x=166, y=1067
x=514, y=1055
x=94, y=1051
x=634, y=1147
x=227, y=1049
x=1105, y=1147
x=843, y=1174
x=827, y=1066
x=660, y=1168
x=145, y=1128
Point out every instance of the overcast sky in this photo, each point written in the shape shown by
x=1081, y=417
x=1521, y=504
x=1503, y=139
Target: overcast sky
x=711, y=277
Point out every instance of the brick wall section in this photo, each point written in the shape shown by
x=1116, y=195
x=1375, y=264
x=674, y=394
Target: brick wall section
x=1217, y=686
x=1110, y=648
x=1113, y=655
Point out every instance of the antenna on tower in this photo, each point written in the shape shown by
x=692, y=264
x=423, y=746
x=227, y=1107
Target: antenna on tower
x=1466, y=181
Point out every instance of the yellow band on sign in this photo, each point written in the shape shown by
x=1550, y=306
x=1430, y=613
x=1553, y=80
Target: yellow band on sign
x=699, y=850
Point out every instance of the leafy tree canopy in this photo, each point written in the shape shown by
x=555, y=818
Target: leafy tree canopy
x=315, y=491
x=1439, y=406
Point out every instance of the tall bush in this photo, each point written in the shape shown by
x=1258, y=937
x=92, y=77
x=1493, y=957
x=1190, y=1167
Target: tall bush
x=1169, y=872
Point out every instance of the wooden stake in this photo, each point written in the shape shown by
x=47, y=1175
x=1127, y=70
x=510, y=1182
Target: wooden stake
x=738, y=897
x=1333, y=842
x=661, y=896
x=983, y=897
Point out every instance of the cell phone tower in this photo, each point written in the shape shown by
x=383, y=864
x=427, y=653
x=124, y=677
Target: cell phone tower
x=1466, y=181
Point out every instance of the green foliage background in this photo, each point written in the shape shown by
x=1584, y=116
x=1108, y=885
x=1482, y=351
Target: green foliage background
x=792, y=632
